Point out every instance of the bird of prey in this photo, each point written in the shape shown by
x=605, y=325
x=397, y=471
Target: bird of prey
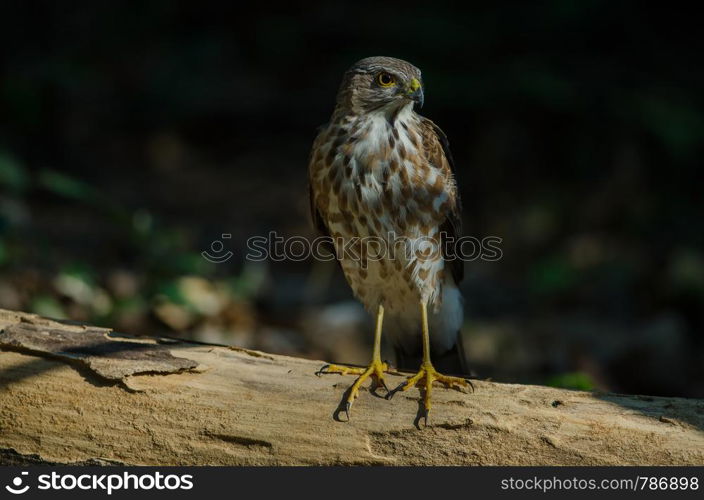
x=382, y=175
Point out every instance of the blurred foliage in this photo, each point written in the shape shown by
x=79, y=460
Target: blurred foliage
x=577, y=381
x=13, y=177
x=163, y=282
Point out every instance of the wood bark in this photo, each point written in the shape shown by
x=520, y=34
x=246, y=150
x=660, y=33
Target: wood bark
x=119, y=400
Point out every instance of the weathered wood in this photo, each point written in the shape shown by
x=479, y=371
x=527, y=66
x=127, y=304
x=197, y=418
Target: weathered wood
x=244, y=407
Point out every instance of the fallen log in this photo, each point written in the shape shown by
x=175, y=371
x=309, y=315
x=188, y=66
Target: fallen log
x=75, y=394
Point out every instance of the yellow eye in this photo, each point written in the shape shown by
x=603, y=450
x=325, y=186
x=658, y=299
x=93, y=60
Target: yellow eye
x=385, y=79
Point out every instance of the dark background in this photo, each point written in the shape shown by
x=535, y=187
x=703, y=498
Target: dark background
x=133, y=135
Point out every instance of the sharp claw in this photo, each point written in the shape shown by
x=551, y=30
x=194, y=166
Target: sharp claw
x=348, y=406
x=322, y=370
x=391, y=394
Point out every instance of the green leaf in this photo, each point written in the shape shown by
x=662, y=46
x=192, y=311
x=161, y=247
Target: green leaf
x=572, y=380
x=13, y=176
x=552, y=275
x=46, y=305
x=66, y=186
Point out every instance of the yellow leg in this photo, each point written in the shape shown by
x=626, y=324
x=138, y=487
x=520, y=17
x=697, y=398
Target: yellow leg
x=427, y=373
x=375, y=369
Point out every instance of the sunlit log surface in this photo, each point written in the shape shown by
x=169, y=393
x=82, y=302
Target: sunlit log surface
x=116, y=400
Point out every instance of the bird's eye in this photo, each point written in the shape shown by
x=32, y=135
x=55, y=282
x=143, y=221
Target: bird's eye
x=385, y=79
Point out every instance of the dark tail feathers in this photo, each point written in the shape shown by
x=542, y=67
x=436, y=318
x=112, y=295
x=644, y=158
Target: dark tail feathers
x=450, y=362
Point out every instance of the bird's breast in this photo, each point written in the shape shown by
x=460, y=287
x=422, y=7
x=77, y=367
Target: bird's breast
x=374, y=178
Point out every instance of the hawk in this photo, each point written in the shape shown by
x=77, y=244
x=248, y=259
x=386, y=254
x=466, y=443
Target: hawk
x=382, y=186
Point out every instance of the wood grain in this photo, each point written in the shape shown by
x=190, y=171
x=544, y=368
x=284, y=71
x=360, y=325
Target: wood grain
x=241, y=407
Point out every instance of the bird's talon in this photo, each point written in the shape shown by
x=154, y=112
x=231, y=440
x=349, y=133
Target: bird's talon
x=424, y=378
x=390, y=394
x=340, y=369
x=382, y=383
x=375, y=370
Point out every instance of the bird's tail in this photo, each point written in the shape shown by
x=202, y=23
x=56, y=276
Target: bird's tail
x=450, y=362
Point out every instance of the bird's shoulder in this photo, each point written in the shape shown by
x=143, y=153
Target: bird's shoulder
x=321, y=135
x=436, y=146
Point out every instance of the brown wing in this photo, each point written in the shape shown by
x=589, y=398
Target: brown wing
x=437, y=151
x=317, y=220
x=315, y=216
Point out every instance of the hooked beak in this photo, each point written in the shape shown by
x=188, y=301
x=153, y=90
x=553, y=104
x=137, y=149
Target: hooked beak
x=414, y=91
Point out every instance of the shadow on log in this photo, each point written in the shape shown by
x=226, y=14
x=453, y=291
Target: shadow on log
x=74, y=394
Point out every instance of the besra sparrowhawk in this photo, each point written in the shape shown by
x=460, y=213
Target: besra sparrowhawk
x=381, y=173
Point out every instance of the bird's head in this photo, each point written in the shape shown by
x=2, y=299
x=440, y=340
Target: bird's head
x=377, y=83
